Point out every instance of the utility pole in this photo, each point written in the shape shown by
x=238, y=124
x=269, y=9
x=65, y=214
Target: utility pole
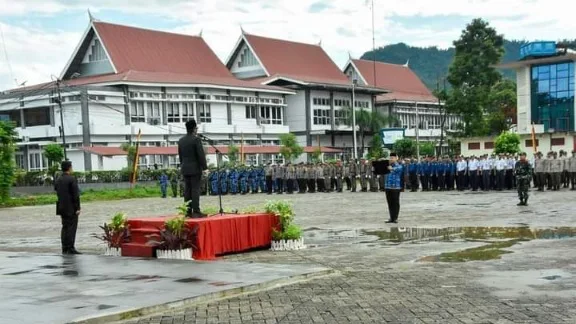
x=61, y=119
x=417, y=132
x=355, y=145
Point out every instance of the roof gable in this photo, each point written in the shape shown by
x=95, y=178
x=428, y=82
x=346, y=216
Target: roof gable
x=136, y=49
x=305, y=62
x=399, y=79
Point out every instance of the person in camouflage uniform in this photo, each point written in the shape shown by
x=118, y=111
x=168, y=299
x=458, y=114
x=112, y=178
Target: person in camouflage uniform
x=174, y=183
x=523, y=172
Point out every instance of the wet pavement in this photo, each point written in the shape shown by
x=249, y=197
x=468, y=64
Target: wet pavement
x=39, y=288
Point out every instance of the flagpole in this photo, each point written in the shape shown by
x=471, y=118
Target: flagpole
x=534, y=143
x=136, y=158
x=242, y=148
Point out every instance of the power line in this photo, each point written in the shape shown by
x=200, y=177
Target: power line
x=6, y=55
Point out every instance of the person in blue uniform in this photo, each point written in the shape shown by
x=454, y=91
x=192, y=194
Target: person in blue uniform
x=213, y=177
x=441, y=171
x=164, y=184
x=234, y=181
x=243, y=178
x=224, y=182
x=413, y=175
x=424, y=172
x=393, y=188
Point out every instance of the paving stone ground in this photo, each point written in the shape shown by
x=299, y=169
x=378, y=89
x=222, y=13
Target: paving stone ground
x=379, y=281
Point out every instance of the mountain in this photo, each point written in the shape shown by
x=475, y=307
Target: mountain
x=431, y=63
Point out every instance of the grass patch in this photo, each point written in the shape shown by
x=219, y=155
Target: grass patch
x=86, y=196
x=490, y=251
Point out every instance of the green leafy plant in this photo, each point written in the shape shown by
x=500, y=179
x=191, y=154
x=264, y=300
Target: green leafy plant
x=183, y=209
x=507, y=143
x=7, y=163
x=176, y=235
x=285, y=212
x=290, y=149
x=292, y=232
x=116, y=232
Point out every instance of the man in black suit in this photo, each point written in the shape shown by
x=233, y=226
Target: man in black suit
x=193, y=163
x=68, y=207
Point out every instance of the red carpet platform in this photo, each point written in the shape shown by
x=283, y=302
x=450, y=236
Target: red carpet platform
x=217, y=235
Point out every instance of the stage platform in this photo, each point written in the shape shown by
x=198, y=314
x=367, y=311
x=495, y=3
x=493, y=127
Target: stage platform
x=217, y=235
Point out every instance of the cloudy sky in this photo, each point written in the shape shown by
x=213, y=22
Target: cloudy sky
x=40, y=35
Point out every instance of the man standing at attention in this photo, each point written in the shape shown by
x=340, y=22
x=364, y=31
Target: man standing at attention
x=192, y=163
x=393, y=187
x=523, y=172
x=68, y=207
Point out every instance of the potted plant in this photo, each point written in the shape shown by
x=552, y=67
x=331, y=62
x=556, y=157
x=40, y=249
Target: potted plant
x=177, y=239
x=289, y=235
x=115, y=233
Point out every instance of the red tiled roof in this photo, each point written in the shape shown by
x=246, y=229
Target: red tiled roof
x=173, y=150
x=140, y=49
x=403, y=83
x=305, y=62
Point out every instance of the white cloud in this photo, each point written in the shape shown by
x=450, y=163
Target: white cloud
x=343, y=25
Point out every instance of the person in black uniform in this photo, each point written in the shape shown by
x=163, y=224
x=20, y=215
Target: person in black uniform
x=68, y=207
x=193, y=163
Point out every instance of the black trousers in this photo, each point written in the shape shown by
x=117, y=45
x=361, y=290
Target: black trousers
x=269, y=186
x=192, y=193
x=414, y=181
x=68, y=232
x=442, y=181
x=393, y=200
x=460, y=181
x=474, y=180
x=290, y=185
x=320, y=184
x=311, y=185
x=424, y=179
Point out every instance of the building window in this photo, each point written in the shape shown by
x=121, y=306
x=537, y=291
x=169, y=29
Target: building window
x=270, y=115
x=488, y=145
x=529, y=143
x=13, y=116
x=173, y=112
x=204, y=112
x=557, y=141
x=187, y=112
x=552, y=96
x=96, y=98
x=173, y=161
x=37, y=116
x=474, y=146
x=137, y=112
x=19, y=157
x=37, y=161
x=153, y=109
x=270, y=142
x=321, y=101
x=340, y=117
x=361, y=104
x=321, y=117
x=97, y=52
x=250, y=112
x=247, y=58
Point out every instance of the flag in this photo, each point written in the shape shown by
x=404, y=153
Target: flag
x=136, y=157
x=534, y=143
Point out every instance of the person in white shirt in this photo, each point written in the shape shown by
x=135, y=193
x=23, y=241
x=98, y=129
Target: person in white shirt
x=510, y=178
x=486, y=167
x=461, y=167
x=500, y=166
x=473, y=165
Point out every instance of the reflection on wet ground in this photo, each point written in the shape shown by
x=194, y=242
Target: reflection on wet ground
x=497, y=238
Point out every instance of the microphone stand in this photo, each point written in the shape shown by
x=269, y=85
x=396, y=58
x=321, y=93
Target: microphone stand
x=218, y=157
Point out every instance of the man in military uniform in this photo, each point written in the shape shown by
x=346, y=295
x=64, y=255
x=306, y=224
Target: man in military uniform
x=539, y=171
x=372, y=180
x=572, y=169
x=269, y=173
x=320, y=177
x=565, y=177
x=327, y=174
x=556, y=170
x=279, y=174
x=311, y=177
x=290, y=176
x=346, y=176
x=523, y=172
x=353, y=174
x=338, y=174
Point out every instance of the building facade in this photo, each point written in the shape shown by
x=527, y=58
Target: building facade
x=319, y=111
x=121, y=80
x=409, y=101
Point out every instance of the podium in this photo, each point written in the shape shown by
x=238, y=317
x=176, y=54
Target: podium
x=380, y=167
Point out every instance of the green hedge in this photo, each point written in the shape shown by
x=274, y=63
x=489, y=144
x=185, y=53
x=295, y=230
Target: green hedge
x=38, y=178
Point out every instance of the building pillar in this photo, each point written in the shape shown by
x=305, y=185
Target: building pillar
x=332, y=119
x=258, y=117
x=26, y=159
x=163, y=107
x=126, y=105
x=229, y=108
x=22, y=121
x=85, y=128
x=195, y=103
x=52, y=113
x=284, y=117
x=308, y=115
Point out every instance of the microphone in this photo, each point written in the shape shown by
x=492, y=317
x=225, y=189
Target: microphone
x=204, y=137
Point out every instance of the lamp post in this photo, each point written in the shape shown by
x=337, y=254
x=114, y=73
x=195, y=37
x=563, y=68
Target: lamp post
x=354, y=144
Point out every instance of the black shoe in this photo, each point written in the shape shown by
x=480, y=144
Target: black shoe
x=390, y=221
x=197, y=215
x=73, y=251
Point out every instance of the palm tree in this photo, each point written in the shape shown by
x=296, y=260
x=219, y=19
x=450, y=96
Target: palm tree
x=368, y=121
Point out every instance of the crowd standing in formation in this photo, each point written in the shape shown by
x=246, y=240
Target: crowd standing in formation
x=487, y=172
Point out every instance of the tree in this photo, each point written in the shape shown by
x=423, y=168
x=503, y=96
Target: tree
x=316, y=155
x=405, y=147
x=427, y=149
x=54, y=153
x=290, y=149
x=130, y=153
x=472, y=75
x=503, y=106
x=8, y=137
x=507, y=142
x=367, y=122
x=233, y=154
x=376, y=151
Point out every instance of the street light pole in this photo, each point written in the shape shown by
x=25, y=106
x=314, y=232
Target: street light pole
x=61, y=120
x=355, y=145
x=417, y=133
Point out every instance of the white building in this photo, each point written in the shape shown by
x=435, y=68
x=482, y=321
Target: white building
x=316, y=113
x=408, y=99
x=120, y=80
x=545, y=78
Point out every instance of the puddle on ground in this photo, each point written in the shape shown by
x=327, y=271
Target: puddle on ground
x=497, y=239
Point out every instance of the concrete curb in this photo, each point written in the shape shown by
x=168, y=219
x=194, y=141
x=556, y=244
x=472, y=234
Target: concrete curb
x=211, y=297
